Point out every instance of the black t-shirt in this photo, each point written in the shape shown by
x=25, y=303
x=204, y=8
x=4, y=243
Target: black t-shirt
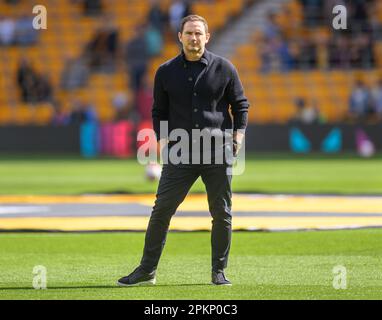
x=195, y=68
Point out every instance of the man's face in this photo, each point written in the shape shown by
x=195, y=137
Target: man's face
x=193, y=37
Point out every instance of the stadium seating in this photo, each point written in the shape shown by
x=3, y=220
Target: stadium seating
x=67, y=34
x=272, y=95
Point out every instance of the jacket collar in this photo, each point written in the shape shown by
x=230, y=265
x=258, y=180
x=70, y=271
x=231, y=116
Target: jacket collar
x=205, y=59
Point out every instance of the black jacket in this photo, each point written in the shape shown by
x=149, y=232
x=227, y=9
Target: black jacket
x=200, y=103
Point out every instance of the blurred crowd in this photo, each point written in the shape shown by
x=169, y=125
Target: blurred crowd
x=365, y=102
x=17, y=31
x=287, y=42
x=102, y=54
x=34, y=86
x=307, y=112
x=364, y=106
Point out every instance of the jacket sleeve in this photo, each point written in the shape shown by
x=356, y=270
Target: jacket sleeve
x=238, y=101
x=161, y=103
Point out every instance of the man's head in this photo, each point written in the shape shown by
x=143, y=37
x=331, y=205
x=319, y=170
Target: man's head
x=193, y=34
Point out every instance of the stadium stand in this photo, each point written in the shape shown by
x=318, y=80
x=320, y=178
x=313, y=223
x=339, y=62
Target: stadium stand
x=69, y=31
x=272, y=92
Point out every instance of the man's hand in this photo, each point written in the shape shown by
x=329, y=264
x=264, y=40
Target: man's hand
x=236, y=148
x=160, y=147
x=237, y=142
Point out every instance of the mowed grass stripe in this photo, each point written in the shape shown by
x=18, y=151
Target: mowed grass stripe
x=185, y=223
x=345, y=174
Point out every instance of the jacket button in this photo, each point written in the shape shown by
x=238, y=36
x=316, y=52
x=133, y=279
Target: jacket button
x=190, y=79
x=195, y=110
x=195, y=94
x=196, y=126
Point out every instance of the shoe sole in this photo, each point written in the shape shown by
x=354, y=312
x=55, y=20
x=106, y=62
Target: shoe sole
x=142, y=283
x=223, y=284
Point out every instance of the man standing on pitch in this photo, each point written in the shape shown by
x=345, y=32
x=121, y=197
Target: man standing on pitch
x=193, y=91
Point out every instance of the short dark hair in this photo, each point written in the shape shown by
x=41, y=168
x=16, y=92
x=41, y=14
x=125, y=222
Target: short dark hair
x=193, y=17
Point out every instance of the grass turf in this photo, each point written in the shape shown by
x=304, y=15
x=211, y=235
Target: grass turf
x=289, y=265
x=265, y=173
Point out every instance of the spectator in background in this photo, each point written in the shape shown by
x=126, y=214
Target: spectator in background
x=294, y=52
x=112, y=41
x=101, y=52
x=34, y=87
x=275, y=54
x=267, y=55
x=25, y=34
x=154, y=41
x=359, y=102
x=75, y=73
x=95, y=50
x=361, y=51
x=144, y=100
x=7, y=31
x=359, y=16
x=320, y=46
x=177, y=11
x=136, y=57
x=82, y=111
x=122, y=106
x=26, y=79
x=44, y=88
x=283, y=54
x=308, y=55
x=306, y=114
x=60, y=116
x=375, y=23
x=92, y=7
x=313, y=12
x=270, y=28
x=156, y=17
x=339, y=52
x=376, y=96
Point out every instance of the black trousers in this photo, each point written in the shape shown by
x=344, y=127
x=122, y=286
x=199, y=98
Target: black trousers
x=174, y=184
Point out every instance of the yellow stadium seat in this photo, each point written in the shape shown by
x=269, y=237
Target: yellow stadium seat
x=43, y=114
x=6, y=114
x=24, y=114
x=280, y=93
x=261, y=113
x=316, y=77
x=321, y=90
x=106, y=113
x=296, y=78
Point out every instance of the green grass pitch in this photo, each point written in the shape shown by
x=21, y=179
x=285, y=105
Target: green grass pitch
x=285, y=265
x=290, y=265
x=273, y=173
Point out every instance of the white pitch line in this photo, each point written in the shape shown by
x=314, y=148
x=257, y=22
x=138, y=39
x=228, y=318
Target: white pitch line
x=25, y=209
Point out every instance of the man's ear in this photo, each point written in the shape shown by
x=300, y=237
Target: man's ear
x=207, y=37
x=180, y=36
